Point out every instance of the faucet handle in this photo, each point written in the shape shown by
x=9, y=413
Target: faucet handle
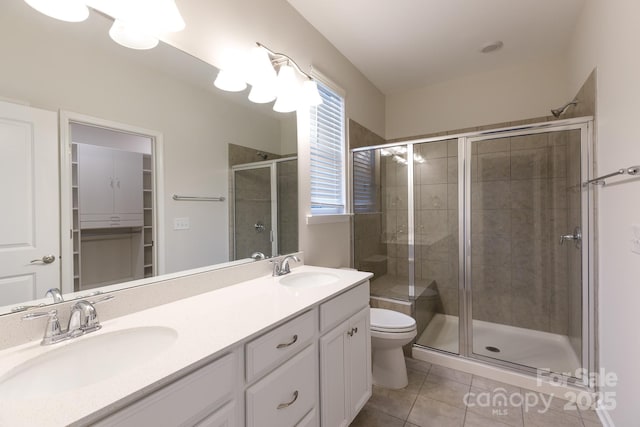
x=53, y=331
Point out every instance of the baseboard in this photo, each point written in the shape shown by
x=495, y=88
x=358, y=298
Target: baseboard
x=605, y=418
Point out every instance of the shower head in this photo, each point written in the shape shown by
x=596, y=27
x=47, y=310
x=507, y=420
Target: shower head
x=557, y=112
x=263, y=156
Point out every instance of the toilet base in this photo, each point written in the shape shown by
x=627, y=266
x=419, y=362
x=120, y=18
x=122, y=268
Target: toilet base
x=389, y=368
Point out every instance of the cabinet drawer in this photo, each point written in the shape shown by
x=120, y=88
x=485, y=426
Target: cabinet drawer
x=310, y=420
x=274, y=347
x=183, y=402
x=343, y=306
x=223, y=417
x=283, y=397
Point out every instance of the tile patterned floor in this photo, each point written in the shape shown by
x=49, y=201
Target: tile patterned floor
x=435, y=397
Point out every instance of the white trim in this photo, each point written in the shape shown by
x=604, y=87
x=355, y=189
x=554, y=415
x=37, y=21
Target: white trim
x=66, y=197
x=322, y=78
x=328, y=219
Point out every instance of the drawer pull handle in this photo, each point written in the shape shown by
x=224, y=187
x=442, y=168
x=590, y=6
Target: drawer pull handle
x=292, y=342
x=286, y=405
x=352, y=331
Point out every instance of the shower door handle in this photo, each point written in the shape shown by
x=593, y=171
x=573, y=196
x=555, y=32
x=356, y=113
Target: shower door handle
x=576, y=236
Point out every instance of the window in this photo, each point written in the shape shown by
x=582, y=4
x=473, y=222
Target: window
x=327, y=153
x=364, y=181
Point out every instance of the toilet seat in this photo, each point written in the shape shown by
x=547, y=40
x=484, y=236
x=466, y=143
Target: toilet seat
x=389, y=321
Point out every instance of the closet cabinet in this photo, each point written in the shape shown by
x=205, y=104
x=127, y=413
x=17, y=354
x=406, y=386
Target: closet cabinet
x=345, y=358
x=110, y=187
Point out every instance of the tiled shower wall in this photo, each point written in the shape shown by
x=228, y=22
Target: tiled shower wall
x=519, y=210
x=436, y=221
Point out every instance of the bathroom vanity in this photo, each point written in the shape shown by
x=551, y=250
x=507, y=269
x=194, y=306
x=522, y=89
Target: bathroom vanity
x=281, y=351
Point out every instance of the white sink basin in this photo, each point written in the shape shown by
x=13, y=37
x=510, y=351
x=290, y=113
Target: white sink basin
x=86, y=361
x=309, y=279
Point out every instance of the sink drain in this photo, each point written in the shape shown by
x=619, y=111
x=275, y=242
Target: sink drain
x=493, y=349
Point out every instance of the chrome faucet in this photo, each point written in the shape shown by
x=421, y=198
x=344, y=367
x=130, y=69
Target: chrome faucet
x=55, y=293
x=281, y=267
x=83, y=319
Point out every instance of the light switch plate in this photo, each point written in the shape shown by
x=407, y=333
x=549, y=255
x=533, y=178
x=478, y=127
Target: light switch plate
x=181, y=223
x=635, y=238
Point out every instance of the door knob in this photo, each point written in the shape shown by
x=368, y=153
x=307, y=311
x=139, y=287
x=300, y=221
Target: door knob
x=47, y=259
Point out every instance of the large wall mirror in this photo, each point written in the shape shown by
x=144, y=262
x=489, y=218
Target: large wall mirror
x=151, y=169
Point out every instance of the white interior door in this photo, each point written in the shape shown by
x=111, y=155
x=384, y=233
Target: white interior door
x=29, y=232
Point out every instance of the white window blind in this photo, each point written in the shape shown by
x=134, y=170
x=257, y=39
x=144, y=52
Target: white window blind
x=327, y=154
x=364, y=181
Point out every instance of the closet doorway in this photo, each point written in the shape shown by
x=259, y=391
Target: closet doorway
x=108, y=203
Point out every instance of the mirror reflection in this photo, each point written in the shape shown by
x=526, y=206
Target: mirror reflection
x=112, y=134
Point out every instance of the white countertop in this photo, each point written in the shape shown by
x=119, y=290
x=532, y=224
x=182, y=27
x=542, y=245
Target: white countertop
x=206, y=324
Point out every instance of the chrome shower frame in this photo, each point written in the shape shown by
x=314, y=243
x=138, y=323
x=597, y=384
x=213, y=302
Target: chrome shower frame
x=589, y=338
x=273, y=176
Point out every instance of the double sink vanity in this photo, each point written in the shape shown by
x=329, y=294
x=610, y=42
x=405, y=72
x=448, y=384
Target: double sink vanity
x=289, y=350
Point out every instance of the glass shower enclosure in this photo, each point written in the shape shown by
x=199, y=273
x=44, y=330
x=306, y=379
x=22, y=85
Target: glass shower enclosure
x=485, y=236
x=265, y=208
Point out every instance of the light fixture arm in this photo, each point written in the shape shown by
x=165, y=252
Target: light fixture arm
x=281, y=58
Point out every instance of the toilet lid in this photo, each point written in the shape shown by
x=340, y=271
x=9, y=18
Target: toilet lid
x=391, y=321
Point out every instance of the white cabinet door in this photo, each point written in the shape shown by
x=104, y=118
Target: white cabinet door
x=110, y=187
x=333, y=378
x=127, y=182
x=345, y=370
x=30, y=226
x=95, y=179
x=359, y=361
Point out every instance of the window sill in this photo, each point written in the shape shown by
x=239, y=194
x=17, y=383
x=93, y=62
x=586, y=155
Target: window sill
x=328, y=219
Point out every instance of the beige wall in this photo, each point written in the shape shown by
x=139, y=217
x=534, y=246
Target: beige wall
x=503, y=95
x=606, y=37
x=214, y=28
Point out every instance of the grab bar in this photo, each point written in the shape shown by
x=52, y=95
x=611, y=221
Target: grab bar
x=631, y=170
x=199, y=199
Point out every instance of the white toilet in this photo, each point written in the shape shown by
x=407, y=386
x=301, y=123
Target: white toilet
x=390, y=330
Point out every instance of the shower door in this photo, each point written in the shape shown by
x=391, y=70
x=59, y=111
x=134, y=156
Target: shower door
x=525, y=230
x=265, y=214
x=253, y=211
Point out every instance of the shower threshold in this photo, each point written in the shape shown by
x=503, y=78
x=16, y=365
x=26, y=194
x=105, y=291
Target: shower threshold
x=536, y=349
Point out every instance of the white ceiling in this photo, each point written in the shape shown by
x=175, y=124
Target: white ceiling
x=405, y=44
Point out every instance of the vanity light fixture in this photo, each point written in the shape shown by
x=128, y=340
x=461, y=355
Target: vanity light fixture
x=129, y=36
x=259, y=71
x=63, y=10
x=138, y=24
